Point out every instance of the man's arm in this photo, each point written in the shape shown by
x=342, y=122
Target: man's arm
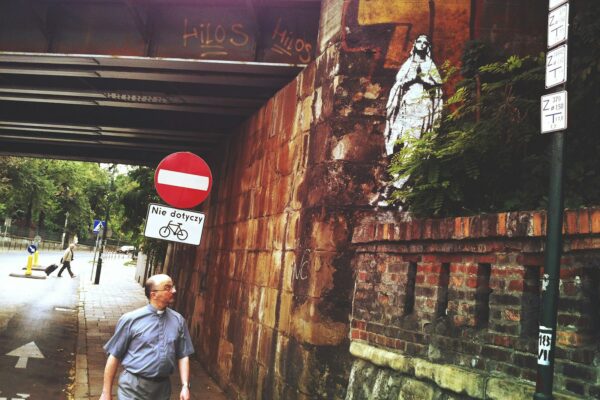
x=184, y=374
x=110, y=370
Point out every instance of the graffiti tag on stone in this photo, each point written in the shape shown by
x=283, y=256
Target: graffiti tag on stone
x=301, y=270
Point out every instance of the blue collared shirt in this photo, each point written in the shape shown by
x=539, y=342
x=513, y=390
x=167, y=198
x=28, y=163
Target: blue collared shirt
x=149, y=343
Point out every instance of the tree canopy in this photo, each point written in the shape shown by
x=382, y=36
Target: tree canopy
x=37, y=194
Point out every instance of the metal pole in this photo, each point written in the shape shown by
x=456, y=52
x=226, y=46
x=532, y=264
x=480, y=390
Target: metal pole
x=95, y=251
x=551, y=279
x=102, y=244
x=104, y=230
x=62, y=244
x=554, y=243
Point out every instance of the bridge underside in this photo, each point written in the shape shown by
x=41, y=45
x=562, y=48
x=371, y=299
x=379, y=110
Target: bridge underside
x=114, y=81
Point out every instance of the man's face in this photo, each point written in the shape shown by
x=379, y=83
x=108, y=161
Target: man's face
x=164, y=292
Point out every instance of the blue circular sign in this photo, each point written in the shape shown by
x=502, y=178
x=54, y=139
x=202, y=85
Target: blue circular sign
x=31, y=248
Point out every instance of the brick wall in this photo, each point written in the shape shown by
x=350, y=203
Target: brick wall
x=466, y=292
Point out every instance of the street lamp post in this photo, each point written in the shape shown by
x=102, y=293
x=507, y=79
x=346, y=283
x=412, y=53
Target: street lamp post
x=105, y=227
x=62, y=244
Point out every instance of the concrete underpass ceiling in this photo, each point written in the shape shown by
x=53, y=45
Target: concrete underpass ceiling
x=64, y=97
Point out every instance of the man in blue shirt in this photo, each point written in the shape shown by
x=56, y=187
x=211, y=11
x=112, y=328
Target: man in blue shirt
x=148, y=342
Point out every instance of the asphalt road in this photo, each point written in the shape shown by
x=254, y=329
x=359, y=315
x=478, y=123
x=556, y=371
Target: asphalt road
x=38, y=328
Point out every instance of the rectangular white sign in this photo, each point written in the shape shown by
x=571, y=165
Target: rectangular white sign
x=558, y=25
x=554, y=112
x=544, y=345
x=181, y=226
x=555, y=3
x=556, y=66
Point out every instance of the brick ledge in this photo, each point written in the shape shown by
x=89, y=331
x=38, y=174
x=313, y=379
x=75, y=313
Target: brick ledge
x=456, y=379
x=388, y=226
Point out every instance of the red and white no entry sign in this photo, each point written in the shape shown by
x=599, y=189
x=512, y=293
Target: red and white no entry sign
x=183, y=180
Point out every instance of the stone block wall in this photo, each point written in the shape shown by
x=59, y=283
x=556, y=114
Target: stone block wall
x=267, y=293
x=464, y=294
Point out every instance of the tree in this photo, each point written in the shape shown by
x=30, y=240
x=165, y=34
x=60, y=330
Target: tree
x=37, y=193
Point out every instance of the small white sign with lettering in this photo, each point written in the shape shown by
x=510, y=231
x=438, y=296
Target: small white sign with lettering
x=554, y=112
x=175, y=225
x=556, y=66
x=544, y=345
x=558, y=25
x=555, y=3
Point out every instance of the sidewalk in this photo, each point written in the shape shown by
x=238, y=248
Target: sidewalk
x=100, y=307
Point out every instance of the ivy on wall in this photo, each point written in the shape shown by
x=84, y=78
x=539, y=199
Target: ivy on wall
x=488, y=155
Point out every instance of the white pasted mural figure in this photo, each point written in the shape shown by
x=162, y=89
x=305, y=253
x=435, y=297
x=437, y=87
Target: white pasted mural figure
x=414, y=105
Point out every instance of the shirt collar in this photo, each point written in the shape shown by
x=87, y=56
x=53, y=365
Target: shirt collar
x=154, y=310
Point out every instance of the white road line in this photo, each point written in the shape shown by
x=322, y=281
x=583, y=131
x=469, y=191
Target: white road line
x=181, y=179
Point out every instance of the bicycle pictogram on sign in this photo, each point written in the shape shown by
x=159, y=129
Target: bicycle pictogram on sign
x=175, y=229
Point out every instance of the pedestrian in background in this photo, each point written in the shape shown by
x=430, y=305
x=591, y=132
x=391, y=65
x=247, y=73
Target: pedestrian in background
x=66, y=259
x=149, y=342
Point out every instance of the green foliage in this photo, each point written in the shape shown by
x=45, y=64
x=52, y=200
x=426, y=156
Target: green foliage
x=488, y=155
x=135, y=194
x=37, y=193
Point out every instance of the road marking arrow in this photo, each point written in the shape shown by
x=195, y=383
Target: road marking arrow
x=30, y=350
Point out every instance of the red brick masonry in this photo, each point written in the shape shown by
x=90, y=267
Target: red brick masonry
x=466, y=291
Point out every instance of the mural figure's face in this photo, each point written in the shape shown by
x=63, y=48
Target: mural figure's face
x=421, y=44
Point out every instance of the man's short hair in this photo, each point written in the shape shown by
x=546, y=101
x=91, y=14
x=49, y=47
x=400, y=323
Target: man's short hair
x=148, y=286
x=151, y=283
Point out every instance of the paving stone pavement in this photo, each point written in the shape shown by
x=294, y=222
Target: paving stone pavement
x=100, y=307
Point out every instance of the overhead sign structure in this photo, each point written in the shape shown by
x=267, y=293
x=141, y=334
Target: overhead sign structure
x=556, y=66
x=554, y=112
x=183, y=180
x=98, y=225
x=558, y=25
x=181, y=226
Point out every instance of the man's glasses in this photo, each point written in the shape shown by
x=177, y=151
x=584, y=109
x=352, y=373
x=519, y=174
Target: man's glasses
x=167, y=288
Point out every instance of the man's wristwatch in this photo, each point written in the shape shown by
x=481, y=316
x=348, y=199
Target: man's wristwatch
x=187, y=385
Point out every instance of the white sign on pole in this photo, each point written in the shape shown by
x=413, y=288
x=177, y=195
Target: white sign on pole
x=175, y=225
x=544, y=345
x=554, y=112
x=556, y=66
x=555, y=3
x=558, y=25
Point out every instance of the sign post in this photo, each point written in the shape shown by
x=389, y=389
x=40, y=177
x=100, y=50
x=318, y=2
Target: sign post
x=553, y=121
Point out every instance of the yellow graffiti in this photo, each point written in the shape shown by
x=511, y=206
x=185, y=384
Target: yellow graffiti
x=409, y=16
x=447, y=21
x=372, y=12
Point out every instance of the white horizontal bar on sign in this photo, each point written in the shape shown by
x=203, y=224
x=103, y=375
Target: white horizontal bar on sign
x=181, y=179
